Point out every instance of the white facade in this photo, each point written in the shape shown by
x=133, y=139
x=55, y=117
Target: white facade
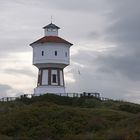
x=49, y=89
x=51, y=32
x=45, y=77
x=51, y=54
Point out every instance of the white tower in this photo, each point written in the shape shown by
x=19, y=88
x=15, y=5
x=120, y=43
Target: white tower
x=51, y=54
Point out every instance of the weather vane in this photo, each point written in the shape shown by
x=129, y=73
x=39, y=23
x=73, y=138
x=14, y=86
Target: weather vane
x=51, y=19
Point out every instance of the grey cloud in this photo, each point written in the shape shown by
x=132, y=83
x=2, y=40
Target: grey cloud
x=13, y=46
x=84, y=57
x=91, y=79
x=8, y=91
x=78, y=5
x=17, y=30
x=124, y=28
x=125, y=65
x=124, y=33
x=23, y=71
x=112, y=76
x=4, y=89
x=94, y=35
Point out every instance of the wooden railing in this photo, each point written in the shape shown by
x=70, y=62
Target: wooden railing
x=84, y=94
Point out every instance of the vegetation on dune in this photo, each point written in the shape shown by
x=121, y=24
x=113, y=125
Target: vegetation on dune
x=52, y=117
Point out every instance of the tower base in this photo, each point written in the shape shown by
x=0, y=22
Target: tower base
x=40, y=90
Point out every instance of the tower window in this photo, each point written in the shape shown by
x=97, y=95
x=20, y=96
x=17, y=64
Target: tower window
x=55, y=53
x=49, y=29
x=42, y=53
x=54, y=30
x=54, y=78
x=66, y=54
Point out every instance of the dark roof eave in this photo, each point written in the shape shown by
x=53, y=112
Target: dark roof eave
x=48, y=42
x=51, y=26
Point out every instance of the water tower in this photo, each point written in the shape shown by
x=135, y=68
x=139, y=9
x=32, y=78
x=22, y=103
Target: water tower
x=51, y=54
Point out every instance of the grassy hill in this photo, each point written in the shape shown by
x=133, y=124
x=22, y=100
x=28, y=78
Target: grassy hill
x=52, y=117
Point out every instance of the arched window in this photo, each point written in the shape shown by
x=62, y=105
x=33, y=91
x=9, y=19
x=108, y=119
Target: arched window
x=55, y=53
x=54, y=30
x=42, y=53
x=49, y=29
x=66, y=54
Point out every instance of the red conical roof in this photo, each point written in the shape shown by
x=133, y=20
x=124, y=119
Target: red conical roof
x=51, y=39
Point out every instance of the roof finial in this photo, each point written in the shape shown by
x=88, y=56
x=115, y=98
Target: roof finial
x=51, y=18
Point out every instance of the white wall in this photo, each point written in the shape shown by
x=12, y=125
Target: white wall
x=61, y=78
x=45, y=77
x=49, y=89
x=49, y=53
x=51, y=32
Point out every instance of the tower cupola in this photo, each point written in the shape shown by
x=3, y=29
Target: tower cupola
x=51, y=30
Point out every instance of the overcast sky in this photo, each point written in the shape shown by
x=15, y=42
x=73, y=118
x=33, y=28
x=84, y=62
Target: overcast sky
x=106, y=50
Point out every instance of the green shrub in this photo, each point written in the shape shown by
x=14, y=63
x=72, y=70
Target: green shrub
x=52, y=117
x=130, y=108
x=117, y=135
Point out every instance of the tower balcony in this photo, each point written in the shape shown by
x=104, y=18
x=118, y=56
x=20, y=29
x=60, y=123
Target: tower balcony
x=50, y=65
